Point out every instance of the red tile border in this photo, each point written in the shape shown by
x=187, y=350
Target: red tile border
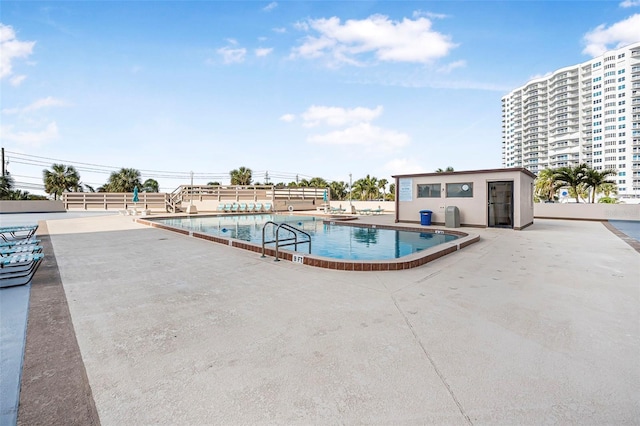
x=411, y=261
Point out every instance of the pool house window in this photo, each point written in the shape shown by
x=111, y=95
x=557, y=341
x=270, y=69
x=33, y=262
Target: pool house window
x=460, y=190
x=429, y=190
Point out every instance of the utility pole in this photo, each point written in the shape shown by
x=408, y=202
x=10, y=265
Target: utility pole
x=350, y=184
x=266, y=177
x=3, y=170
x=191, y=209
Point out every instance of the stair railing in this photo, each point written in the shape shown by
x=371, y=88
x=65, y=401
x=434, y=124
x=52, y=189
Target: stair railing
x=283, y=242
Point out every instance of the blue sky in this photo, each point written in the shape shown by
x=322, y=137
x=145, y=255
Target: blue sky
x=323, y=88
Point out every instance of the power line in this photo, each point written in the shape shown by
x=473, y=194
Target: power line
x=45, y=162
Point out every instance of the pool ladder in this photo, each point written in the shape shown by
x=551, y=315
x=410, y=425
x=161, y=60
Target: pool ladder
x=282, y=242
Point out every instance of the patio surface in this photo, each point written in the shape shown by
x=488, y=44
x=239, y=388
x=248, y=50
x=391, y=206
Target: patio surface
x=523, y=327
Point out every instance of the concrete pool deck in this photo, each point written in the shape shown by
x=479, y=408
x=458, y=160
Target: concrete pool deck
x=524, y=327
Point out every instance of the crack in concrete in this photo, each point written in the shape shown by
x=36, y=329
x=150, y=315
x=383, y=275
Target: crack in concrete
x=432, y=362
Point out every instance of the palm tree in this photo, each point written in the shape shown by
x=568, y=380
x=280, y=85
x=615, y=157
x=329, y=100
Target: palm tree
x=609, y=188
x=214, y=183
x=150, y=185
x=366, y=188
x=88, y=187
x=318, y=182
x=392, y=192
x=595, y=179
x=573, y=177
x=6, y=187
x=338, y=190
x=240, y=176
x=19, y=195
x=382, y=185
x=59, y=179
x=123, y=180
x=448, y=169
x=546, y=185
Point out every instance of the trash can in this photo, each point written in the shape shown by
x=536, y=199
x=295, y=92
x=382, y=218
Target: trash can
x=452, y=217
x=425, y=217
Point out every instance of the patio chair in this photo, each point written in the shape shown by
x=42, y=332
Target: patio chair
x=227, y=207
x=258, y=207
x=9, y=233
x=251, y=207
x=19, y=269
x=243, y=207
x=235, y=207
x=267, y=207
x=221, y=207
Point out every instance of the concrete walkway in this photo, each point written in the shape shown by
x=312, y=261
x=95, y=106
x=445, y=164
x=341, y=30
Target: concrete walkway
x=524, y=327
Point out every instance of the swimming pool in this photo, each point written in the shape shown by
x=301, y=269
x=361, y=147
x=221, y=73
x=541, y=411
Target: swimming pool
x=329, y=239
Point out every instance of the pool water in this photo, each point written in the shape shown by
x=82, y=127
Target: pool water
x=334, y=241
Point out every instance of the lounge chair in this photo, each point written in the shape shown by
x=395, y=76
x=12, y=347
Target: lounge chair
x=19, y=268
x=235, y=207
x=267, y=207
x=258, y=207
x=221, y=207
x=251, y=207
x=243, y=207
x=227, y=207
x=364, y=211
x=379, y=210
x=4, y=244
x=9, y=233
x=22, y=248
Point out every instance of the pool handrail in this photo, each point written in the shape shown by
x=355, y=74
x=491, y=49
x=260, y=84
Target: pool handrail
x=289, y=228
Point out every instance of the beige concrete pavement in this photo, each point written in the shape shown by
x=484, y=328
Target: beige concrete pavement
x=524, y=327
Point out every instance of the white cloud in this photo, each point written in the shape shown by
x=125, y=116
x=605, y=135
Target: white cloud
x=601, y=39
x=366, y=136
x=11, y=49
x=400, y=166
x=387, y=40
x=37, y=138
x=39, y=104
x=336, y=116
x=270, y=6
x=630, y=3
x=230, y=55
x=430, y=15
x=452, y=65
x=263, y=51
x=288, y=118
x=17, y=80
x=280, y=30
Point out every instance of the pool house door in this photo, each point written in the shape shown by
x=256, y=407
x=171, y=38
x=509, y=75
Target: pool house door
x=500, y=201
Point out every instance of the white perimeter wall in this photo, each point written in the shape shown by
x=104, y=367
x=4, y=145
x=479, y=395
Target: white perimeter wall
x=584, y=211
x=31, y=206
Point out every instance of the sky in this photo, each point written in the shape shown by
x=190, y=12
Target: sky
x=289, y=88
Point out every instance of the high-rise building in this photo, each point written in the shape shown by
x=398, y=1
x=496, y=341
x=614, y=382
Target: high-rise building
x=586, y=113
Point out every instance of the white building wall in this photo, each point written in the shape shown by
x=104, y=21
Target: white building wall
x=586, y=113
x=474, y=209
